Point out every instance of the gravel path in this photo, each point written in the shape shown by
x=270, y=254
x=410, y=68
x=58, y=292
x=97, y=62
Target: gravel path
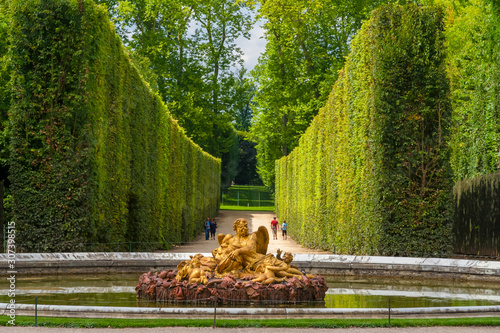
x=255, y=219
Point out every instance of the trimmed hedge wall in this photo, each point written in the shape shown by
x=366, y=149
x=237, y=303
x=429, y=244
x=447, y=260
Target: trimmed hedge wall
x=96, y=157
x=371, y=174
x=473, y=38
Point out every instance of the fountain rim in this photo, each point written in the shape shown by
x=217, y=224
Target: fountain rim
x=328, y=264
x=248, y=313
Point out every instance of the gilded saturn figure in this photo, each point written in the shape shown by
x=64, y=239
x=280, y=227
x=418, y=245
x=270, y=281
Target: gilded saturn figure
x=240, y=269
x=236, y=254
x=243, y=255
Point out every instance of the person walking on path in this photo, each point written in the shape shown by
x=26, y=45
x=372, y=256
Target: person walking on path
x=213, y=227
x=283, y=229
x=207, y=228
x=225, y=220
x=274, y=228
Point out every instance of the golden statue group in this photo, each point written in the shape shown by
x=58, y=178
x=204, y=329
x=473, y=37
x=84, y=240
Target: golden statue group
x=239, y=270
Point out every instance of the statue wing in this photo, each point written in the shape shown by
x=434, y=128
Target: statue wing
x=262, y=240
x=220, y=238
x=223, y=238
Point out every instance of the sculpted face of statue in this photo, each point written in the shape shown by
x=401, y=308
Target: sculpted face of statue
x=288, y=257
x=241, y=227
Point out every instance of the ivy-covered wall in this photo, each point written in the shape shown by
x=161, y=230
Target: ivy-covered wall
x=96, y=157
x=371, y=174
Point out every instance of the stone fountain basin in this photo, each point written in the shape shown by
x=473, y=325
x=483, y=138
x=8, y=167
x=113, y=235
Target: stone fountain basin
x=348, y=265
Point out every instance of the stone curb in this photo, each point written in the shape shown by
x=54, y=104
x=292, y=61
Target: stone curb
x=114, y=262
x=247, y=313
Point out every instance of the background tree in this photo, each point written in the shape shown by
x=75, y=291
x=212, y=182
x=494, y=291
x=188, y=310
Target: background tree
x=306, y=44
x=244, y=93
x=247, y=162
x=247, y=154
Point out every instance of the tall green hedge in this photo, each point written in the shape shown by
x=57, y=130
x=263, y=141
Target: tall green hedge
x=473, y=38
x=96, y=157
x=371, y=174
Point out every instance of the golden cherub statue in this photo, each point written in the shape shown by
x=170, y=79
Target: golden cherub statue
x=192, y=270
x=274, y=269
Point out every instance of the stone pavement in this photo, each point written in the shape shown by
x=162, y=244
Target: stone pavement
x=255, y=219
x=253, y=330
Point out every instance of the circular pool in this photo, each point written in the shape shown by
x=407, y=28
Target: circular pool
x=118, y=290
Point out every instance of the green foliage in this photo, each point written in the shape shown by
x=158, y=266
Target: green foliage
x=371, y=174
x=96, y=157
x=5, y=99
x=247, y=162
x=5, y=94
x=473, y=36
x=245, y=91
x=144, y=66
x=231, y=157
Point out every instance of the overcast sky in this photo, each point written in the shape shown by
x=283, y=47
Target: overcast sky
x=254, y=47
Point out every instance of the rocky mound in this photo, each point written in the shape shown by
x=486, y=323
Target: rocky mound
x=163, y=287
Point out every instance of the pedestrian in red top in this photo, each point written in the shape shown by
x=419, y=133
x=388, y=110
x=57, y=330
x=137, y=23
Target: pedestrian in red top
x=274, y=228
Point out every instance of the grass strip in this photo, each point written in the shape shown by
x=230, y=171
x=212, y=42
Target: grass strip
x=295, y=323
x=254, y=208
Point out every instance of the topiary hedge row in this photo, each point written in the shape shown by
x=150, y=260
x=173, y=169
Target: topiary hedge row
x=96, y=157
x=473, y=39
x=371, y=174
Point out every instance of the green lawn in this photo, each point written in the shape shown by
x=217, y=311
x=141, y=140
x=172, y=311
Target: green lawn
x=300, y=323
x=244, y=197
x=261, y=208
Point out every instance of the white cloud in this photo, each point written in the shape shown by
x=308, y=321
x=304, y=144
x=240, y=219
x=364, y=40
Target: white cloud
x=252, y=48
